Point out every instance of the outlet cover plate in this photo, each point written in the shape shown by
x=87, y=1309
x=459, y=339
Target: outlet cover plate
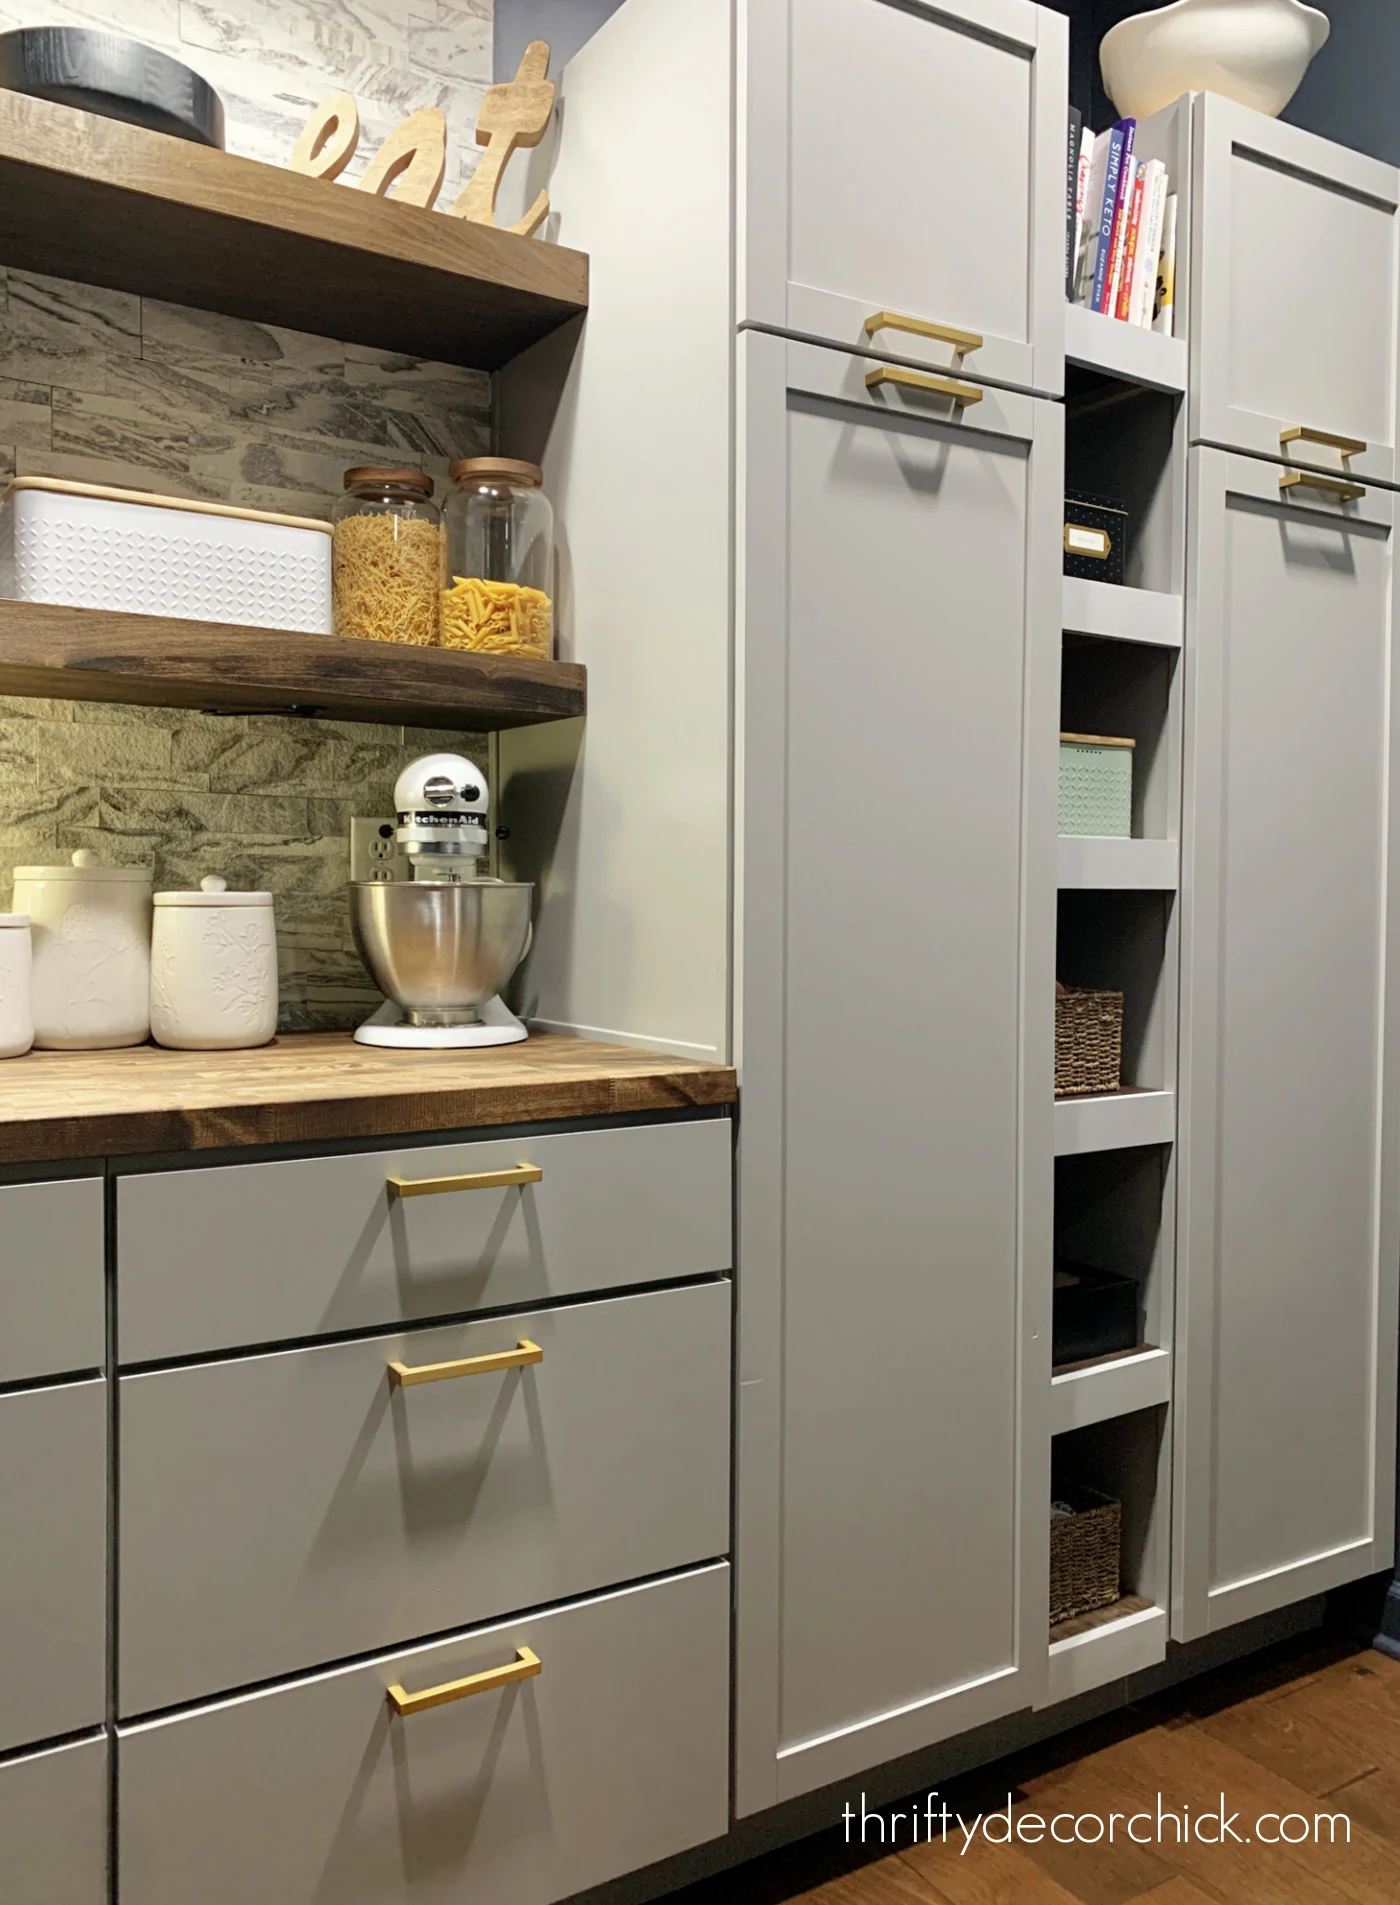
x=374, y=852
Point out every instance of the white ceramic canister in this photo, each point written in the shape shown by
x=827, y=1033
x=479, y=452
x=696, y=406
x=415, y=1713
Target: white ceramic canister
x=91, y=931
x=213, y=969
x=16, y=1013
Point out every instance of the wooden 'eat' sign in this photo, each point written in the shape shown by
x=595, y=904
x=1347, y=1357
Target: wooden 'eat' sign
x=412, y=161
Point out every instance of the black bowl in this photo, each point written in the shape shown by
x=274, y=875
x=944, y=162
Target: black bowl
x=119, y=78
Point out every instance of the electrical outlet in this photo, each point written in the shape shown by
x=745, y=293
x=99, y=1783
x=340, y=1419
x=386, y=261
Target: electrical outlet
x=374, y=852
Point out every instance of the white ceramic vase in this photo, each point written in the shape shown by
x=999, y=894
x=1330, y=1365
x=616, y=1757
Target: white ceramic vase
x=1252, y=51
x=16, y=1012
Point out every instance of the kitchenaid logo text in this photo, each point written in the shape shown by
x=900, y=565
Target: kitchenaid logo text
x=1167, y=1825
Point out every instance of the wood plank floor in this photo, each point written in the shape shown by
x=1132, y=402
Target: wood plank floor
x=1309, y=1729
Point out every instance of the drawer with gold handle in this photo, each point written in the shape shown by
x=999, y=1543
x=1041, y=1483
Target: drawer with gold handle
x=246, y=1254
x=961, y=342
x=331, y=1501
x=1347, y=447
x=1326, y=485
x=602, y=1746
x=525, y=1666
x=924, y=383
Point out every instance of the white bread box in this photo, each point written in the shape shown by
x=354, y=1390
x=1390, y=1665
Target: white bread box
x=94, y=548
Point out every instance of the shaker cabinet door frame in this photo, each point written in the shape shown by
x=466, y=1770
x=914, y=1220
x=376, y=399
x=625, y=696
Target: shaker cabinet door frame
x=1295, y=295
x=907, y=160
x=898, y=594
x=1289, y=1191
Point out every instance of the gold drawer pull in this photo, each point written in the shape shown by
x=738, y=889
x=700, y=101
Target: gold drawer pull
x=524, y=1667
x=1330, y=485
x=961, y=394
x=1349, y=446
x=473, y=1181
x=961, y=341
x=404, y=1376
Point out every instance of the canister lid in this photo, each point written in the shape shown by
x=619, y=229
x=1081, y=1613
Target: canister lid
x=213, y=891
x=13, y=919
x=507, y=468
x=84, y=866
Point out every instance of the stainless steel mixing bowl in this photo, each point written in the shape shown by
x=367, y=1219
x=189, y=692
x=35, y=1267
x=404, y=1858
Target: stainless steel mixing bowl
x=437, y=949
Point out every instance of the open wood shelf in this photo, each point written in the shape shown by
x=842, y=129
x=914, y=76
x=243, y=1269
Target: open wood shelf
x=157, y=661
x=1090, y=863
x=1108, y=1387
x=1114, y=1121
x=1124, y=350
x=91, y=199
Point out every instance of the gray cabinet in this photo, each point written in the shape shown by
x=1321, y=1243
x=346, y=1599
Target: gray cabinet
x=901, y=617
x=1295, y=295
x=611, y=1757
x=871, y=194
x=53, y=1561
x=281, y=1511
x=53, y=1826
x=265, y=1253
x=52, y=1306
x=1287, y=1166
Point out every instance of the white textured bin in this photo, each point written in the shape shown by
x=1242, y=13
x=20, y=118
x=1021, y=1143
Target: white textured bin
x=95, y=548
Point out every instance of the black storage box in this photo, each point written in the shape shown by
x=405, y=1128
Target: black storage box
x=1096, y=529
x=1095, y=1313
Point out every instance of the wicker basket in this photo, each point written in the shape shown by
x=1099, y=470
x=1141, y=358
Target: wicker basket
x=1084, y=1549
x=1088, y=1040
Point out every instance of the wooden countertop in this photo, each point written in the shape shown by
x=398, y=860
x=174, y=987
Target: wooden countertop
x=321, y=1085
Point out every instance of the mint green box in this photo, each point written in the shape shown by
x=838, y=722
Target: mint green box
x=1096, y=786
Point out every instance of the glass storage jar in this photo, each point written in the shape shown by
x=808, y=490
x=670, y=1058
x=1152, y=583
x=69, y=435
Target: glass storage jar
x=500, y=555
x=386, y=557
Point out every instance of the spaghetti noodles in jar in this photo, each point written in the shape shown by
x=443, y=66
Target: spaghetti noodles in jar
x=386, y=557
x=500, y=555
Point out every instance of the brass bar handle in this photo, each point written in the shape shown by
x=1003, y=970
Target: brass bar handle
x=405, y=1376
x=961, y=394
x=1349, y=446
x=961, y=341
x=1330, y=485
x=525, y=1666
x=473, y=1181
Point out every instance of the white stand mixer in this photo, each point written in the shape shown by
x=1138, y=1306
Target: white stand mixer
x=441, y=944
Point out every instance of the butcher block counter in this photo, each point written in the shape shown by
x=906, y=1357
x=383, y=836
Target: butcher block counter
x=321, y=1086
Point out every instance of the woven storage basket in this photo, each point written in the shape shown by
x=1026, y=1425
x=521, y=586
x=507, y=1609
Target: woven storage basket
x=1084, y=1548
x=1088, y=1040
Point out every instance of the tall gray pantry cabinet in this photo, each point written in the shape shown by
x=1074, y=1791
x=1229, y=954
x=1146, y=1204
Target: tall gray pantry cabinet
x=811, y=474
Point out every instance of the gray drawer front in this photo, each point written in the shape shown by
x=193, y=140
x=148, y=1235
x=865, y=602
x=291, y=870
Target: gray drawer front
x=53, y=1827
x=286, y=1510
x=614, y=1756
x=53, y=1561
x=51, y=1300
x=265, y=1253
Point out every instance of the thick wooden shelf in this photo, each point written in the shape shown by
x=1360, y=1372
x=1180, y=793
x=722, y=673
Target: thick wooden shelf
x=1091, y=863
x=158, y=662
x=1109, y=1387
x=110, y=204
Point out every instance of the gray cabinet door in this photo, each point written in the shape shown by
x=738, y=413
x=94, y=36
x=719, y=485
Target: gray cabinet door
x=907, y=161
x=265, y=1253
x=1295, y=294
x=615, y=1755
x=1288, y=1226
x=53, y=1826
x=286, y=1510
x=901, y=667
x=53, y=1561
x=52, y=1306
